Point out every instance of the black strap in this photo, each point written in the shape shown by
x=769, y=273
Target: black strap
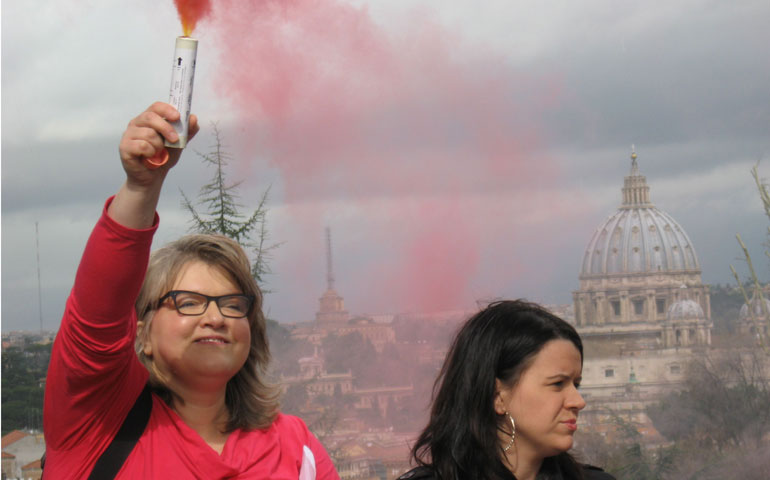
x=418, y=473
x=109, y=463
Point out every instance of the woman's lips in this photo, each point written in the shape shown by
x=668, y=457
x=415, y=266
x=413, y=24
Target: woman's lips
x=571, y=424
x=212, y=340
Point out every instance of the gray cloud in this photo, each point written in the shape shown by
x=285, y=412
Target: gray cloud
x=685, y=81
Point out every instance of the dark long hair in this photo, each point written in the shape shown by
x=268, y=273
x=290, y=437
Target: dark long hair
x=499, y=342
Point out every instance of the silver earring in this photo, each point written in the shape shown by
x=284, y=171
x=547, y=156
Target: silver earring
x=513, y=432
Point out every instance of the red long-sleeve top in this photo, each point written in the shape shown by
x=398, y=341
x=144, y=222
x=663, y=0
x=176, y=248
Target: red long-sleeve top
x=95, y=377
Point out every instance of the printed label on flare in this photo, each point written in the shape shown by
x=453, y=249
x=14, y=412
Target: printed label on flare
x=182, y=76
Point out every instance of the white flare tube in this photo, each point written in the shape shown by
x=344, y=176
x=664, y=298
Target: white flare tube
x=182, y=77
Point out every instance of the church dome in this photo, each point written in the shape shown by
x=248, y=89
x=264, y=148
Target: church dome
x=756, y=307
x=638, y=238
x=684, y=310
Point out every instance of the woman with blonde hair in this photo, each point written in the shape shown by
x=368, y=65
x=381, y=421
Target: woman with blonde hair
x=160, y=371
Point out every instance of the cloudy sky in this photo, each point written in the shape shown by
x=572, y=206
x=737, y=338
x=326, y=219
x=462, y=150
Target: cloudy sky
x=458, y=150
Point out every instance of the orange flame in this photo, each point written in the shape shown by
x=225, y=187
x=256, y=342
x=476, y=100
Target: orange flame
x=190, y=11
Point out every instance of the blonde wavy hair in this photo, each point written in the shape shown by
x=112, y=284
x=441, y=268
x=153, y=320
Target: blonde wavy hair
x=251, y=400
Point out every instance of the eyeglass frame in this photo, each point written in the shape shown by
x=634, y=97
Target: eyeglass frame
x=173, y=293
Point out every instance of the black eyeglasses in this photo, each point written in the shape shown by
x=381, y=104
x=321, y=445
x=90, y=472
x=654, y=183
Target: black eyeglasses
x=193, y=303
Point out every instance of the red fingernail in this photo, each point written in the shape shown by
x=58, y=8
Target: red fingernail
x=156, y=161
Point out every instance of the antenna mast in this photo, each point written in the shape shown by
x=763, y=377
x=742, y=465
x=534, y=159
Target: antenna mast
x=329, y=272
x=39, y=289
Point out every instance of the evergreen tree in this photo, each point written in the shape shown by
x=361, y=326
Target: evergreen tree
x=222, y=212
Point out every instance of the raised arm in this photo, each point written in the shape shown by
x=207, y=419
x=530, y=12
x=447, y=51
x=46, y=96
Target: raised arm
x=135, y=203
x=94, y=375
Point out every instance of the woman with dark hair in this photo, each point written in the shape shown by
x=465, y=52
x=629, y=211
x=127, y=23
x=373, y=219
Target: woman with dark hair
x=506, y=402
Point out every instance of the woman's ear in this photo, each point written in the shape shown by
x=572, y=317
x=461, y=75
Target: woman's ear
x=144, y=336
x=501, y=397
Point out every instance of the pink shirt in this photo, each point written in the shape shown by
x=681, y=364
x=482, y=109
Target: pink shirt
x=95, y=377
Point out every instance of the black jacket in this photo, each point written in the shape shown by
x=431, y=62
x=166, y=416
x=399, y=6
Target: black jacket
x=424, y=473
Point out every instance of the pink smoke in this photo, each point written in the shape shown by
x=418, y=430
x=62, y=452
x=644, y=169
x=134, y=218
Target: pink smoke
x=348, y=110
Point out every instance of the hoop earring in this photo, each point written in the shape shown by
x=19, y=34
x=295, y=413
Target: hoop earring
x=513, y=432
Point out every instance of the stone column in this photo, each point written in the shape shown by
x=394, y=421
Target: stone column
x=652, y=307
x=601, y=309
x=625, y=307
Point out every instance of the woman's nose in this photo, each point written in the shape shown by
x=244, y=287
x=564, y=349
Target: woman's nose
x=212, y=316
x=576, y=400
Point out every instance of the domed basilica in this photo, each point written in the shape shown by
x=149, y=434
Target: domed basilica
x=640, y=281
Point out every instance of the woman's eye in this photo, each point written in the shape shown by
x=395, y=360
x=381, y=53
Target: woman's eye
x=183, y=302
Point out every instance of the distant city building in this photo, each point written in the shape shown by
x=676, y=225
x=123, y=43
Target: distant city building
x=373, y=458
x=21, y=454
x=331, y=309
x=316, y=380
x=381, y=397
x=686, y=323
x=631, y=274
x=754, y=320
x=378, y=334
x=331, y=305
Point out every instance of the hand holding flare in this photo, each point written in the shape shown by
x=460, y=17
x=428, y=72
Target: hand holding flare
x=190, y=11
x=142, y=146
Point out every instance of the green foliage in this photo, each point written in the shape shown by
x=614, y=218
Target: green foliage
x=726, y=303
x=277, y=335
x=641, y=464
x=222, y=213
x=295, y=399
x=350, y=352
x=725, y=403
x=722, y=413
x=286, y=350
x=23, y=371
x=626, y=456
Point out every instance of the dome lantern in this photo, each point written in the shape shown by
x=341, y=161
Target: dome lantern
x=636, y=193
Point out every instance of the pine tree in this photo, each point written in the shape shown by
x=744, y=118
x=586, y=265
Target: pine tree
x=222, y=212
